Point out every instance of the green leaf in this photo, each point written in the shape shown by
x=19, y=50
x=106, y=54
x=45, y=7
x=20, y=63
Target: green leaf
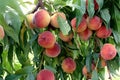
x=10, y=55
x=10, y=3
x=90, y=8
x=10, y=32
x=117, y=19
x=106, y=17
x=94, y=75
x=116, y=37
x=89, y=62
x=64, y=26
x=12, y=77
x=13, y=20
x=25, y=70
x=80, y=12
x=100, y=3
x=30, y=77
x=50, y=68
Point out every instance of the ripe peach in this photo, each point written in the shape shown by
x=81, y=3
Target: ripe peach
x=2, y=34
x=54, y=17
x=45, y=74
x=108, y=51
x=94, y=23
x=103, y=32
x=85, y=35
x=30, y=20
x=82, y=26
x=46, y=39
x=68, y=65
x=41, y=18
x=54, y=51
x=66, y=38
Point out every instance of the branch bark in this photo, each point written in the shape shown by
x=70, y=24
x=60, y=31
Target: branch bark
x=40, y=4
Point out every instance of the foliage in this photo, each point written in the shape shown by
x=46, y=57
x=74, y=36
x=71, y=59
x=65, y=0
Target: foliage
x=21, y=57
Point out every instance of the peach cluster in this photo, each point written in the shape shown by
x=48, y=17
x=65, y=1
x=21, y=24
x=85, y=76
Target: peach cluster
x=89, y=25
x=48, y=41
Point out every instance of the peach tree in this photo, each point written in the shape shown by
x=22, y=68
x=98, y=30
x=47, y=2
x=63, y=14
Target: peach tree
x=60, y=40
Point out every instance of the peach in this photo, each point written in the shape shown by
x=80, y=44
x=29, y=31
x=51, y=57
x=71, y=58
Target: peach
x=103, y=32
x=54, y=21
x=54, y=51
x=82, y=26
x=65, y=38
x=46, y=39
x=41, y=18
x=94, y=23
x=108, y=51
x=85, y=35
x=30, y=20
x=68, y=65
x=45, y=74
x=2, y=34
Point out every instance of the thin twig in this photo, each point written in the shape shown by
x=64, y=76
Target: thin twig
x=40, y=4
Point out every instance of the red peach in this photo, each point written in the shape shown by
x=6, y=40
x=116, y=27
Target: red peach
x=54, y=51
x=66, y=38
x=82, y=26
x=41, y=18
x=103, y=32
x=46, y=39
x=54, y=21
x=94, y=23
x=108, y=51
x=85, y=35
x=68, y=65
x=2, y=34
x=45, y=75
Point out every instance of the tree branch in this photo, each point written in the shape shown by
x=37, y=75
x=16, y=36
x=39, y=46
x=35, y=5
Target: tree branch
x=40, y=4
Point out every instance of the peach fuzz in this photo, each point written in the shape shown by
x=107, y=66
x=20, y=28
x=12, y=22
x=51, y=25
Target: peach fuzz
x=82, y=25
x=46, y=39
x=85, y=35
x=94, y=23
x=65, y=38
x=108, y=51
x=54, y=51
x=2, y=34
x=45, y=74
x=103, y=32
x=41, y=18
x=68, y=65
x=54, y=21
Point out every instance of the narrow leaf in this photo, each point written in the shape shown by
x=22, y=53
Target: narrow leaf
x=106, y=17
x=64, y=26
x=94, y=75
x=90, y=8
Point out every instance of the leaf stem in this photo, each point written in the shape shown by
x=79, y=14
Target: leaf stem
x=110, y=77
